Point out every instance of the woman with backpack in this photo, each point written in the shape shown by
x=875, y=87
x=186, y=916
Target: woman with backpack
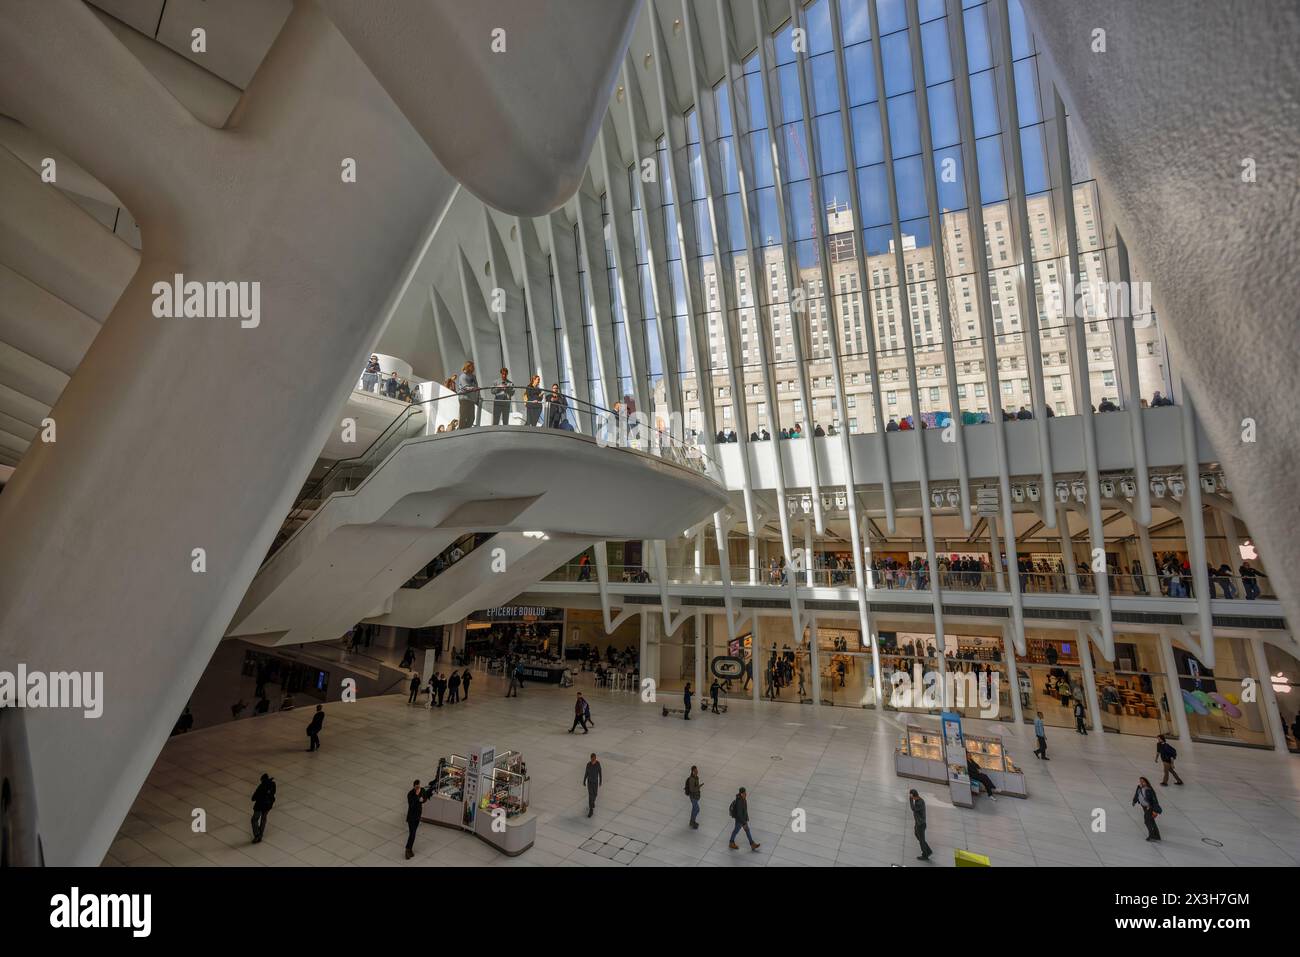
x=1145, y=795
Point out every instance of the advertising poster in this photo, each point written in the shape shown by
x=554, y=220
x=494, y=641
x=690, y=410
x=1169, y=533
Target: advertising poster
x=479, y=759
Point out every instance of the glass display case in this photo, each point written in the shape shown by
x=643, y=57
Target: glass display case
x=920, y=743
x=920, y=755
x=991, y=755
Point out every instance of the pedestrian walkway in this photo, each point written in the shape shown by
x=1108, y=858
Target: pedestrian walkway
x=345, y=804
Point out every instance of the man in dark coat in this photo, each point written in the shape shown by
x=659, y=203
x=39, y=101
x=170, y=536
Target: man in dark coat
x=591, y=777
x=263, y=801
x=414, y=803
x=740, y=812
x=313, y=729
x=917, y=804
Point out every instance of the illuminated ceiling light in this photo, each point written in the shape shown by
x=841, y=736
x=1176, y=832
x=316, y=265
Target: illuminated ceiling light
x=841, y=500
x=1177, y=487
x=618, y=94
x=677, y=25
x=1128, y=486
x=1062, y=492
x=1158, y=487
x=936, y=498
x=1209, y=483
x=806, y=503
x=648, y=60
x=1107, y=488
x=534, y=534
x=954, y=497
x=1080, y=491
x=792, y=505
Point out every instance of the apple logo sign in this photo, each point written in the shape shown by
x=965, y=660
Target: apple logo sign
x=1247, y=549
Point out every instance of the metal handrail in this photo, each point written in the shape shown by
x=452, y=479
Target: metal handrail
x=611, y=427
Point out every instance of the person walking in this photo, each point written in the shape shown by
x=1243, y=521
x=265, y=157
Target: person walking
x=415, y=799
x=714, y=690
x=442, y=688
x=739, y=811
x=464, y=685
x=1145, y=795
x=263, y=801
x=686, y=700
x=917, y=805
x=503, y=390
x=313, y=729
x=1166, y=754
x=579, y=715
x=454, y=686
x=415, y=687
x=1079, y=714
x=693, y=792
x=1041, y=733
x=512, y=690
x=591, y=777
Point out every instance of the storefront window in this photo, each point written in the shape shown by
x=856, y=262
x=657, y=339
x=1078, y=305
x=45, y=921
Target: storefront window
x=1215, y=699
x=1050, y=680
x=1284, y=675
x=846, y=678
x=1133, y=693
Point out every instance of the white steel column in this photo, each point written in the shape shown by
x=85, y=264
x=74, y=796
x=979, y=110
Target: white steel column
x=1013, y=676
x=1068, y=561
x=1194, y=527
x=1087, y=637
x=809, y=576
x=1267, y=697
x=1082, y=392
x=1133, y=409
x=1017, y=203
x=984, y=302
x=905, y=312
x=1173, y=690
x=999, y=578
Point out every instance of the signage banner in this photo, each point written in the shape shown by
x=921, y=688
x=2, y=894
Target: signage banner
x=479, y=759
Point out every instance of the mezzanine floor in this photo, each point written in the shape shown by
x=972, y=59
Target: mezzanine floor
x=344, y=805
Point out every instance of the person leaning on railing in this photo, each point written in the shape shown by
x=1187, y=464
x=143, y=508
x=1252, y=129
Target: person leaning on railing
x=467, y=387
x=533, y=395
x=370, y=377
x=503, y=390
x=556, y=409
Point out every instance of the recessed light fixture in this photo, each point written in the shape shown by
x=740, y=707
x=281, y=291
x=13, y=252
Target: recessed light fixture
x=648, y=60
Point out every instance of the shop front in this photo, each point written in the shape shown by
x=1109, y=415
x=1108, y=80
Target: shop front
x=1284, y=677
x=1223, y=703
x=846, y=677
x=521, y=630
x=1050, y=678
x=1133, y=692
x=966, y=675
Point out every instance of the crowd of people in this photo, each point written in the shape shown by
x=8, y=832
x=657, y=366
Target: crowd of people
x=374, y=380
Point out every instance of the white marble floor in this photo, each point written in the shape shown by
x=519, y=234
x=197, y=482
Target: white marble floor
x=345, y=804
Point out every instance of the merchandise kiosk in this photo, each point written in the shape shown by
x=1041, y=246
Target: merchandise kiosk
x=993, y=759
x=940, y=756
x=487, y=794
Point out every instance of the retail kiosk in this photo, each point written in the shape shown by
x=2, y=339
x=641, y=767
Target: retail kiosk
x=939, y=755
x=487, y=794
